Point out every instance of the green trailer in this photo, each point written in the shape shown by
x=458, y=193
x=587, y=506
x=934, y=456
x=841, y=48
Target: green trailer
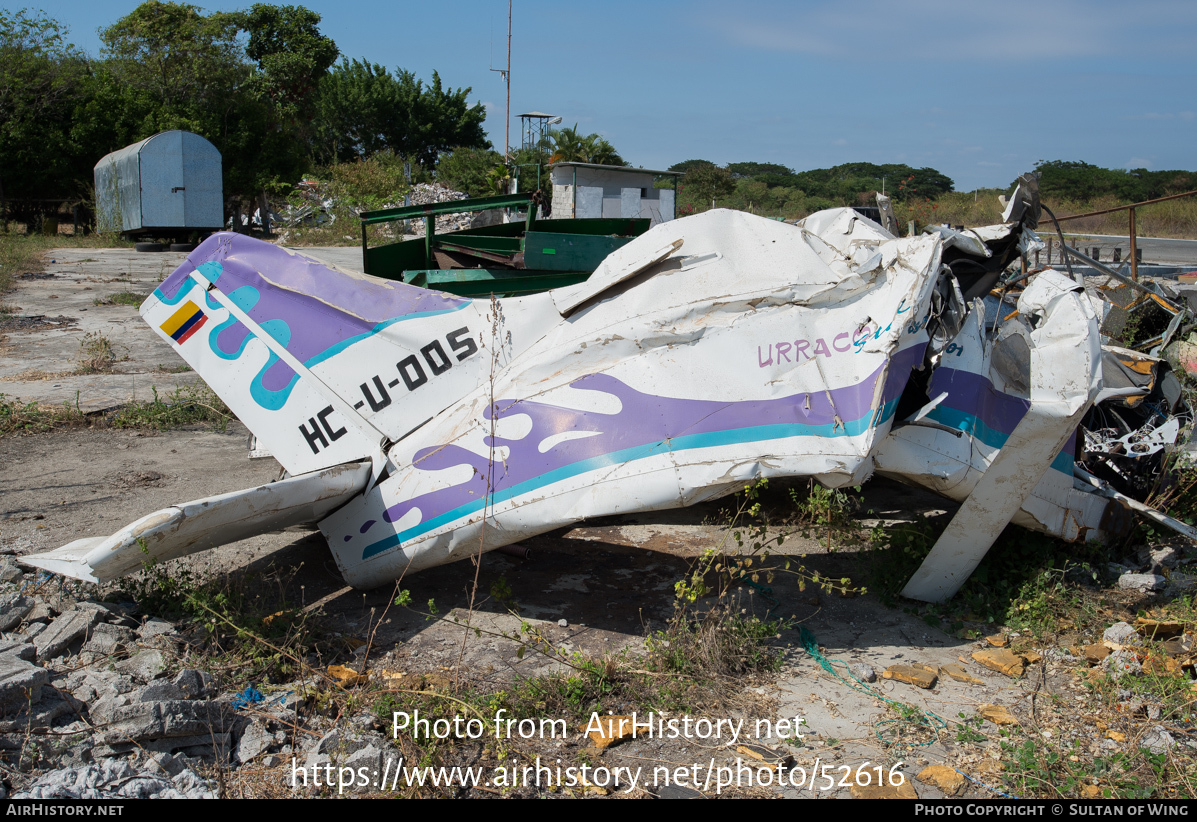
x=506, y=259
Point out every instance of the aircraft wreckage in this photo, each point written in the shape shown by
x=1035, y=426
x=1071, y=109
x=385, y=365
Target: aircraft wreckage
x=709, y=351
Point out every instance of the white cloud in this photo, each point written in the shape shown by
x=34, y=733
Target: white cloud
x=840, y=142
x=1138, y=162
x=938, y=30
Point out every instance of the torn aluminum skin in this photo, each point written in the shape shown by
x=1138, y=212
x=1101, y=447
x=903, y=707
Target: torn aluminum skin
x=711, y=351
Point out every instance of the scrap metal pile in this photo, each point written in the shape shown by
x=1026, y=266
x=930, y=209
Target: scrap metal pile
x=418, y=426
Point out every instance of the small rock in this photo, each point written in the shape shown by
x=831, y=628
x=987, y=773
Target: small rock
x=997, y=714
x=1096, y=652
x=20, y=682
x=612, y=729
x=13, y=609
x=910, y=675
x=1167, y=557
x=143, y=666
x=163, y=762
x=63, y=632
x=157, y=692
x=195, y=684
x=41, y=612
x=368, y=758
x=1158, y=740
x=1121, y=663
x=942, y=777
x=155, y=627
x=998, y=640
x=1000, y=660
x=863, y=785
x=563, y=623
x=107, y=639
x=1158, y=629
x=1177, y=646
x=254, y=741
x=1121, y=633
x=1142, y=582
x=864, y=673
x=958, y=673
x=18, y=648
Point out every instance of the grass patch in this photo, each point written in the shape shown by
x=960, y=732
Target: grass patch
x=190, y=404
x=97, y=354
x=193, y=404
x=129, y=298
x=24, y=253
x=18, y=417
x=176, y=368
x=246, y=624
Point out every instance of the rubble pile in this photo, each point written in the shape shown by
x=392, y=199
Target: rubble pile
x=429, y=193
x=94, y=704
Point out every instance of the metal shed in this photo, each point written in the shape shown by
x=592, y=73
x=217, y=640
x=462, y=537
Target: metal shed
x=168, y=183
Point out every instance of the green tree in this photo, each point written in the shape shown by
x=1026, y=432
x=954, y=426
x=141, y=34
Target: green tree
x=363, y=109
x=570, y=145
x=291, y=53
x=41, y=80
x=185, y=61
x=470, y=170
x=686, y=165
x=705, y=183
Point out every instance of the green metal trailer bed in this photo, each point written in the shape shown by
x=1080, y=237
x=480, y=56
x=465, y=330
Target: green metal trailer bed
x=505, y=259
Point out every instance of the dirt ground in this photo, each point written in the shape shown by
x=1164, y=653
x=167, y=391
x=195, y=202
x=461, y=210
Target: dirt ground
x=601, y=586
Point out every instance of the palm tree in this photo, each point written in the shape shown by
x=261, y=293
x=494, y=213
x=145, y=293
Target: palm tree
x=569, y=145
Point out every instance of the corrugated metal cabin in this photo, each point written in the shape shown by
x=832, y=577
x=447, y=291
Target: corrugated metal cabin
x=168, y=183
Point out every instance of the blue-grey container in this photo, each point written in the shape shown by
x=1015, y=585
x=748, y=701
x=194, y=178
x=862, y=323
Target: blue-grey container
x=168, y=182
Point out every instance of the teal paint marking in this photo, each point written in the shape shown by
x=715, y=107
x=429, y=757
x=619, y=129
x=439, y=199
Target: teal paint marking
x=976, y=428
x=758, y=433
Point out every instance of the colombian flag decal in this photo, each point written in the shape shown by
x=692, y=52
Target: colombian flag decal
x=184, y=322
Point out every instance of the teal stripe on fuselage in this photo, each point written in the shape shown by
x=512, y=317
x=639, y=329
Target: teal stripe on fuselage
x=758, y=433
x=976, y=427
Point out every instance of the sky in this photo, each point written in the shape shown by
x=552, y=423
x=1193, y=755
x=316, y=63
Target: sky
x=980, y=91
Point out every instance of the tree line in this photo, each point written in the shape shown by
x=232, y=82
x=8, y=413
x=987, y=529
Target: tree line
x=263, y=85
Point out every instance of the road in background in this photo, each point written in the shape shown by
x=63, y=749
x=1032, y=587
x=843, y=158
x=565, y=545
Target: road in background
x=1154, y=249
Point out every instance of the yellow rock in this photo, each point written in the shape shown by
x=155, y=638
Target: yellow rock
x=942, y=777
x=1091, y=792
x=346, y=677
x=436, y=682
x=611, y=729
x=863, y=785
x=1030, y=657
x=958, y=673
x=1096, y=652
x=998, y=640
x=1117, y=736
x=911, y=675
x=997, y=714
x=988, y=768
x=1000, y=660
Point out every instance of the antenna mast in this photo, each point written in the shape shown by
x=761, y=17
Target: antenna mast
x=507, y=123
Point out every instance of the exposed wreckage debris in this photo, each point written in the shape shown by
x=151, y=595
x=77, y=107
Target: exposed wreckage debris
x=708, y=352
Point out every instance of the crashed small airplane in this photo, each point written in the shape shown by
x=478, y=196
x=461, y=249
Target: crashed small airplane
x=416, y=426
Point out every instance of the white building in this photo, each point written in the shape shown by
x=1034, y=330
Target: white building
x=589, y=191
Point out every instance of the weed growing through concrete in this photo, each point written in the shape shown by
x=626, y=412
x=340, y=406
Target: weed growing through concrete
x=129, y=298
x=98, y=354
x=189, y=404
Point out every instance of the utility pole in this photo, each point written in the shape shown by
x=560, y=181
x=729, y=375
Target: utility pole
x=507, y=124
